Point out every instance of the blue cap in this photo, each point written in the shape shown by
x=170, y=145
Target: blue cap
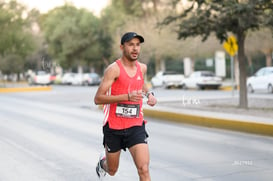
x=130, y=35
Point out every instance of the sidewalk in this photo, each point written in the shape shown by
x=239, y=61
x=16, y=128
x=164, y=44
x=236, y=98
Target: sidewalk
x=260, y=121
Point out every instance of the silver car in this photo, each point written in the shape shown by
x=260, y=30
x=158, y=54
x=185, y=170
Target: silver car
x=91, y=79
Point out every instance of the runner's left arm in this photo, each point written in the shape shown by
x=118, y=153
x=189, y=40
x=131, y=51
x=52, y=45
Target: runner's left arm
x=151, y=98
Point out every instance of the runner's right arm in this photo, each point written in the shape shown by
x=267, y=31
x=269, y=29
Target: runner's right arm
x=110, y=75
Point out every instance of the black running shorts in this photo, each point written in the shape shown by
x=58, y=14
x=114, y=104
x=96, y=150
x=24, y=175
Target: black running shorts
x=115, y=140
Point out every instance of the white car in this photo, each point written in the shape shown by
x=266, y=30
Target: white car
x=72, y=79
x=262, y=80
x=40, y=78
x=91, y=79
x=202, y=80
x=167, y=79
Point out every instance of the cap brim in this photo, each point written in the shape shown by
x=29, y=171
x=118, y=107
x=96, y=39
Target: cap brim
x=141, y=39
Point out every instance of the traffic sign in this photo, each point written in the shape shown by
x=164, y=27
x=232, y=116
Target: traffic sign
x=231, y=46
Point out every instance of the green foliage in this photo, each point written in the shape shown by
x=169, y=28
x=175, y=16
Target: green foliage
x=113, y=17
x=130, y=7
x=12, y=64
x=121, y=12
x=15, y=36
x=72, y=35
x=207, y=16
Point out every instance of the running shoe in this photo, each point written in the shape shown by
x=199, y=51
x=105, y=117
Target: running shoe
x=99, y=169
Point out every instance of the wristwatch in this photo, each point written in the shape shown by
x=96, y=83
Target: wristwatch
x=148, y=94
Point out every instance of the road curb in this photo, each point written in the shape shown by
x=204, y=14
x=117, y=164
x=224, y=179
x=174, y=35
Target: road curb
x=25, y=89
x=222, y=123
x=226, y=88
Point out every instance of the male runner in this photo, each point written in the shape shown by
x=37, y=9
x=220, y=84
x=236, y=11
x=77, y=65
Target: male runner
x=121, y=91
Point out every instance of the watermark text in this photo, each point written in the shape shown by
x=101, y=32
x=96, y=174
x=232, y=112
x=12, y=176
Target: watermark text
x=242, y=163
x=190, y=101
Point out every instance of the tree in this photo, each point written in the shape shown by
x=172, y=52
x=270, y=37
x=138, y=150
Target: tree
x=72, y=35
x=16, y=38
x=12, y=64
x=203, y=17
x=134, y=8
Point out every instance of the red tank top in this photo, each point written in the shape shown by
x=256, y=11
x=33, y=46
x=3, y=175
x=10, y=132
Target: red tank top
x=125, y=114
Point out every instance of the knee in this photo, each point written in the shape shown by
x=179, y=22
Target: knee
x=143, y=169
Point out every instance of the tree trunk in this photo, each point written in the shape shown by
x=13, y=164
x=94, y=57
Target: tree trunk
x=18, y=77
x=243, y=103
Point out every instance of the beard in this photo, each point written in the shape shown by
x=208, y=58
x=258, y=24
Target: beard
x=130, y=57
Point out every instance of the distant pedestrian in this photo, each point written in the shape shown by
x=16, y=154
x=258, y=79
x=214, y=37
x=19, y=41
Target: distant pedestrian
x=121, y=91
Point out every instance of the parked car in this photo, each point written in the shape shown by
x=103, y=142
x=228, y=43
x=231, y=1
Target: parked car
x=262, y=80
x=40, y=78
x=53, y=78
x=91, y=79
x=202, y=80
x=167, y=79
x=72, y=79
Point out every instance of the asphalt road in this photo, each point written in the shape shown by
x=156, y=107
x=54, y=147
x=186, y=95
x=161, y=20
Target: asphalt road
x=56, y=136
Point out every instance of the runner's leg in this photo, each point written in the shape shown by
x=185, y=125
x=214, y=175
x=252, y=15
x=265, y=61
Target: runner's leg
x=112, y=162
x=140, y=154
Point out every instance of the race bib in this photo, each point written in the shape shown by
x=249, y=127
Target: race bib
x=127, y=110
